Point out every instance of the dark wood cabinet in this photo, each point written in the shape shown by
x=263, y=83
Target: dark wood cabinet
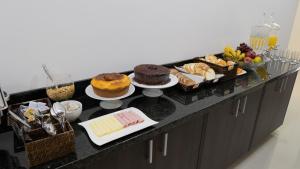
x=179, y=147
x=211, y=139
x=273, y=107
x=216, y=137
x=176, y=148
x=244, y=125
x=287, y=90
x=135, y=156
x=229, y=130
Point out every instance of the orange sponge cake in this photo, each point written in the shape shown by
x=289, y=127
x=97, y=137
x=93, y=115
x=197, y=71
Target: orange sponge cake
x=110, y=84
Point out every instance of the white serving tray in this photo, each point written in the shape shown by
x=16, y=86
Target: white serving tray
x=242, y=73
x=121, y=133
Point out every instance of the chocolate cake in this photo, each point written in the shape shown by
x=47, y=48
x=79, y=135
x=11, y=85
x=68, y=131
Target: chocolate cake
x=151, y=74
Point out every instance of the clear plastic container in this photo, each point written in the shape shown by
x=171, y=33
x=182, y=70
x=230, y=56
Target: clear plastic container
x=63, y=88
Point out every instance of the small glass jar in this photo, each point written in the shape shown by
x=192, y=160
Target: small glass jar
x=63, y=88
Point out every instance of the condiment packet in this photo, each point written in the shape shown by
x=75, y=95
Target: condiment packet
x=42, y=107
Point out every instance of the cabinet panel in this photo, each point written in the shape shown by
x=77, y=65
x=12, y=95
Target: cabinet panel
x=220, y=124
x=229, y=130
x=274, y=104
x=179, y=148
x=135, y=156
x=244, y=126
x=285, y=99
x=267, y=111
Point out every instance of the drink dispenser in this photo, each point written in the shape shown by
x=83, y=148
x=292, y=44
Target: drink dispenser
x=273, y=38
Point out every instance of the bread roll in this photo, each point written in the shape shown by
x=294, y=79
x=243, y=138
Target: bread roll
x=211, y=59
x=201, y=69
x=221, y=62
x=184, y=80
x=210, y=74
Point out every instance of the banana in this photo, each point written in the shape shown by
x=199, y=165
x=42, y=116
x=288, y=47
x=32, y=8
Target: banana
x=228, y=49
x=242, y=56
x=232, y=54
x=226, y=53
x=238, y=53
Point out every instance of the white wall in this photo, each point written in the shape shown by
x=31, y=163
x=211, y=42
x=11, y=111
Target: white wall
x=295, y=35
x=87, y=37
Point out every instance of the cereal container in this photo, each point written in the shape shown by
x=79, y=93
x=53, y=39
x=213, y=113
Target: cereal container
x=62, y=89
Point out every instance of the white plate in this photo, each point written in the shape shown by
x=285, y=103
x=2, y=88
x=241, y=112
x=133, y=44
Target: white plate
x=173, y=82
x=121, y=133
x=243, y=72
x=90, y=92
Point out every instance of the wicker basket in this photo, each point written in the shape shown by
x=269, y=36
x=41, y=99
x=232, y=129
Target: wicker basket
x=44, y=147
x=50, y=147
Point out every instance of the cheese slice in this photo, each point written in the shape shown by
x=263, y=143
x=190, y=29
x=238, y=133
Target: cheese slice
x=97, y=129
x=106, y=125
x=118, y=125
x=114, y=124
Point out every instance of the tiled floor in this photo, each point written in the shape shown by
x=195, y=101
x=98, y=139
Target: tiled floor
x=282, y=149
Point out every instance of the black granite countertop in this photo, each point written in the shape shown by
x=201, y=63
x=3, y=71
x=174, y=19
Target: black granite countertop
x=172, y=108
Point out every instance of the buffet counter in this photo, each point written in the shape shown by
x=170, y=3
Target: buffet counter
x=174, y=109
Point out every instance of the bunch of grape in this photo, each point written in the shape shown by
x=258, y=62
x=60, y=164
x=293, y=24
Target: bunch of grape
x=244, y=48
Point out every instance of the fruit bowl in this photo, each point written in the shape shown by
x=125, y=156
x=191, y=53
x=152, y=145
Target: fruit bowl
x=248, y=65
x=244, y=55
x=251, y=65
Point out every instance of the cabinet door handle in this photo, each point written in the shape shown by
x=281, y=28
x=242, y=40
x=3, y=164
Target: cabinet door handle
x=165, y=150
x=245, y=104
x=150, y=151
x=237, y=108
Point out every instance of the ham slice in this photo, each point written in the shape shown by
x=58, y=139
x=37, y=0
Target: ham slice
x=127, y=119
x=132, y=118
x=121, y=120
x=139, y=119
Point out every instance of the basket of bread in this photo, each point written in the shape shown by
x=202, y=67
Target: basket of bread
x=228, y=68
x=200, y=69
x=186, y=81
x=192, y=75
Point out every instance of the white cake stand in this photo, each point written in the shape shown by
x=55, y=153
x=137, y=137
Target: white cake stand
x=154, y=90
x=109, y=103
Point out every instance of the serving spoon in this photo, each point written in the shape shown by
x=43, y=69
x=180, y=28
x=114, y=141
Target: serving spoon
x=59, y=113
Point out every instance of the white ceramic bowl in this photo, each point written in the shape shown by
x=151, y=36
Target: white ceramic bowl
x=72, y=115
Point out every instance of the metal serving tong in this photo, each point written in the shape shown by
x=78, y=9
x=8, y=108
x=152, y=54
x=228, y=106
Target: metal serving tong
x=15, y=116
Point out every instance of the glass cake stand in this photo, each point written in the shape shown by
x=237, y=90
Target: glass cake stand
x=154, y=90
x=109, y=103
